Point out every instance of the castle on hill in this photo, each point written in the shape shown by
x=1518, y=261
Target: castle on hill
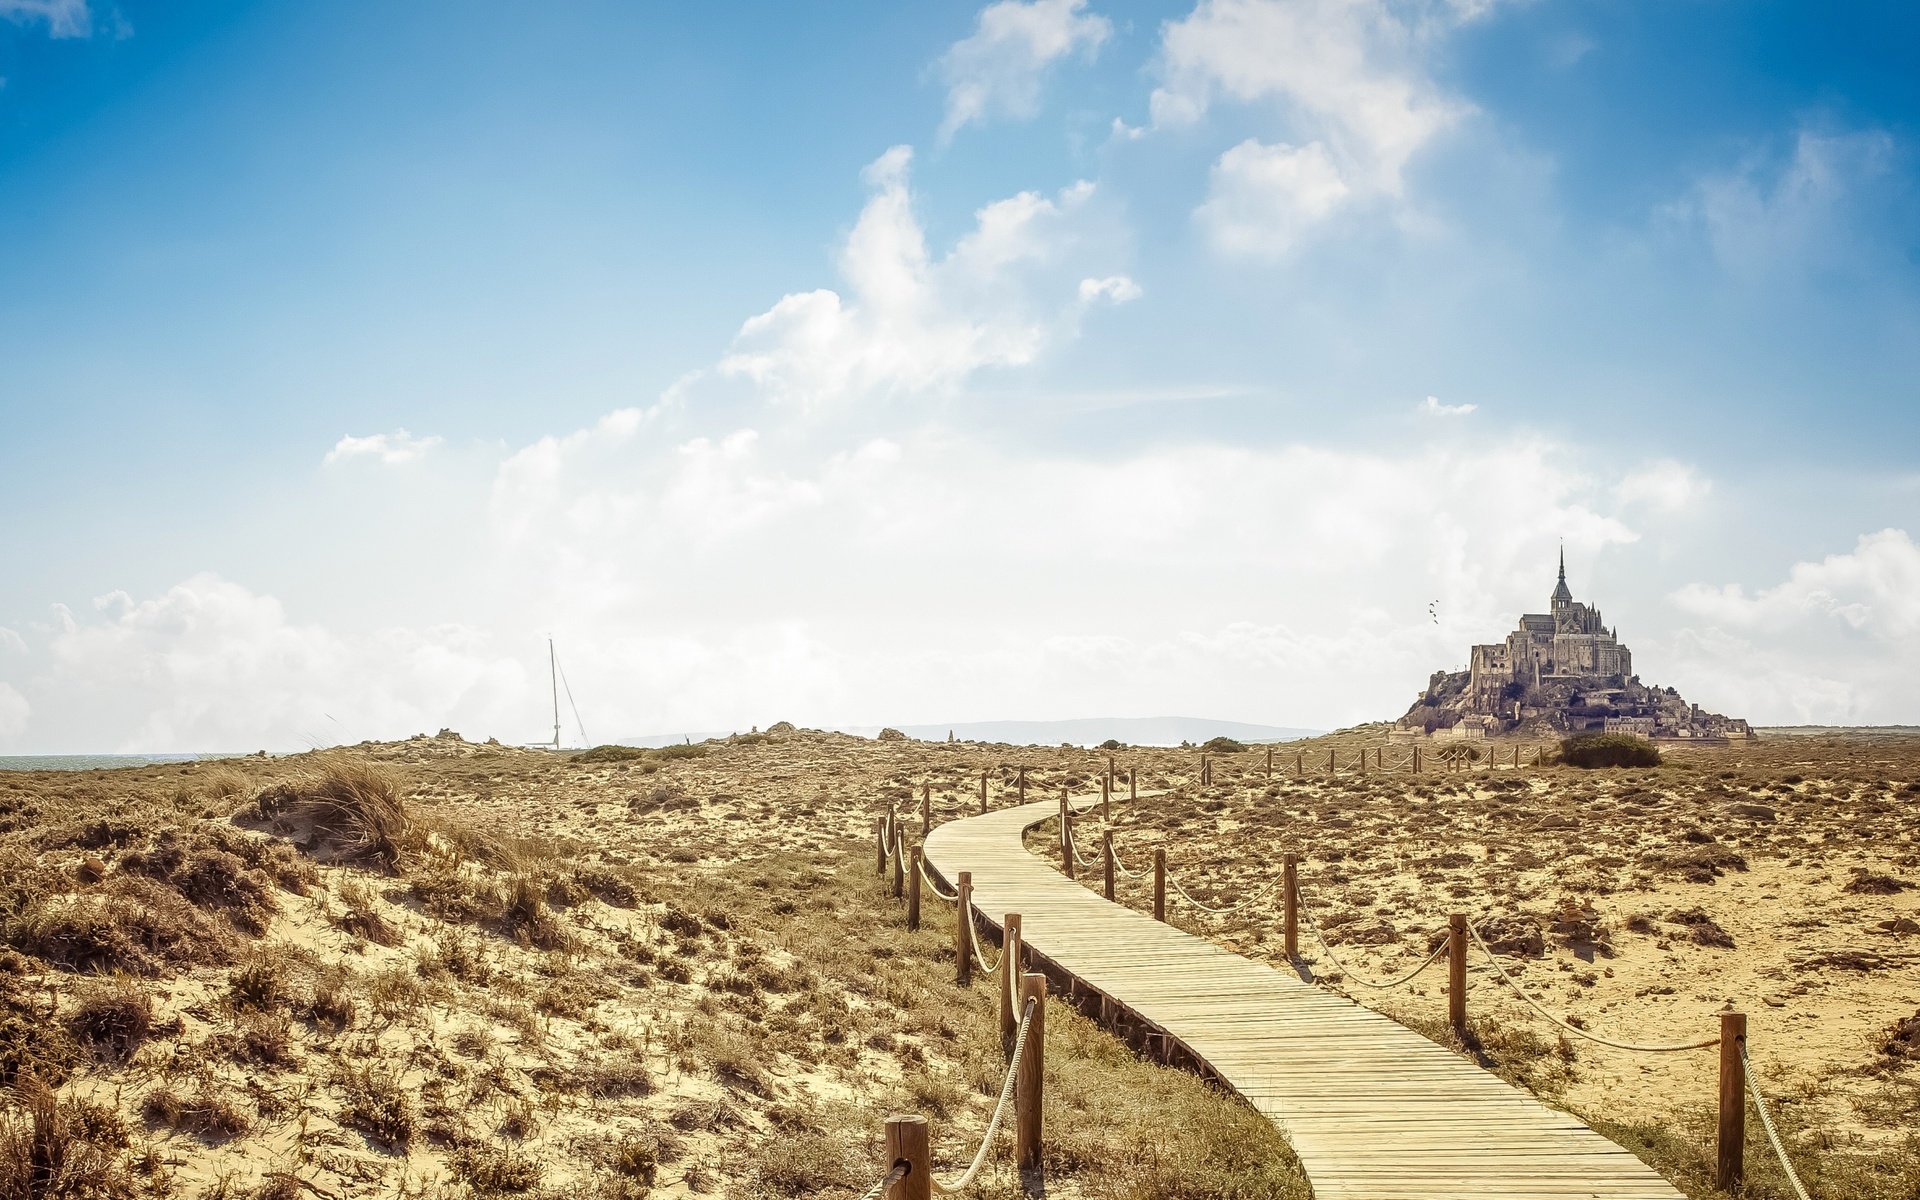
x=1563, y=671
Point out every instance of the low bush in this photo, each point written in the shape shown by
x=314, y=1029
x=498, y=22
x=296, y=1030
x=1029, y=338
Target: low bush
x=1224, y=745
x=1609, y=750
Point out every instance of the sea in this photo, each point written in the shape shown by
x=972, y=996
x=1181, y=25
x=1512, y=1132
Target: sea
x=94, y=762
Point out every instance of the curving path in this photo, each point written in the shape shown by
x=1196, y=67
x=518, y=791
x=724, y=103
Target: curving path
x=1374, y=1110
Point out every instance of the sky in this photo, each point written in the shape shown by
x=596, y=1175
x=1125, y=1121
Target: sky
x=871, y=363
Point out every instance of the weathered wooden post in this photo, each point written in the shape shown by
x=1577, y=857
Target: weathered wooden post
x=907, y=1142
x=1457, y=972
x=963, y=929
x=913, y=892
x=1029, y=1078
x=1416, y=760
x=1269, y=762
x=1290, y=885
x=1066, y=835
x=1023, y=785
x=1133, y=783
x=1331, y=768
x=1731, y=1167
x=1106, y=854
x=1009, y=980
x=1106, y=797
x=926, y=808
x=1159, y=883
x=899, y=862
x=1363, y=760
x=880, y=841
x=983, y=791
x=1109, y=772
x=1299, y=762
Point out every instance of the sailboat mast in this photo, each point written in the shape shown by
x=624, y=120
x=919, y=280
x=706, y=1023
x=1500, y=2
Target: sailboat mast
x=553, y=677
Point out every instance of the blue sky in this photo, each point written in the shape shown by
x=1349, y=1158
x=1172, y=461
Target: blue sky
x=851, y=363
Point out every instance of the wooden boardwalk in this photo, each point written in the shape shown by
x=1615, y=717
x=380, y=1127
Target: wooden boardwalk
x=1374, y=1110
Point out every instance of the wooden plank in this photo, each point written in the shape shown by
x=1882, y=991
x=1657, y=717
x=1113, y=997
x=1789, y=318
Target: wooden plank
x=1374, y=1110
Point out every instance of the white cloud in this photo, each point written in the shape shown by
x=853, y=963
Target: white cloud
x=1665, y=486
x=1349, y=77
x=63, y=18
x=1115, y=289
x=11, y=642
x=1837, y=641
x=1263, y=198
x=389, y=449
x=1432, y=407
x=14, y=712
x=913, y=323
x=1767, y=217
x=997, y=71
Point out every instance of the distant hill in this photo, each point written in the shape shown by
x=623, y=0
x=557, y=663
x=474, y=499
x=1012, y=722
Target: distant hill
x=1085, y=731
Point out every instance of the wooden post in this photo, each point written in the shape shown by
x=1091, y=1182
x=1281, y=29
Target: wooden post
x=1029, y=1079
x=963, y=929
x=1066, y=835
x=907, y=1142
x=1457, y=972
x=1109, y=772
x=1133, y=783
x=1363, y=760
x=913, y=892
x=1106, y=853
x=1290, y=884
x=1159, y=883
x=983, y=791
x=1299, y=762
x=1731, y=1168
x=1106, y=797
x=1009, y=980
x=1331, y=769
x=1023, y=785
x=1416, y=760
x=899, y=863
x=880, y=840
x=926, y=808
x=1269, y=762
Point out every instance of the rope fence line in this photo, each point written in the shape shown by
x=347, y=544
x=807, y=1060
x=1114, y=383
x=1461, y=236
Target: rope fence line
x=1766, y=1124
x=945, y=1187
x=887, y=1181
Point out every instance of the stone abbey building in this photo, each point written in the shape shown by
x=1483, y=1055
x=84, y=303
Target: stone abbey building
x=1558, y=672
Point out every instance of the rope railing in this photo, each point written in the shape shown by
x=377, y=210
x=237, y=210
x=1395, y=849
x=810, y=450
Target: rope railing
x=1661, y=1048
x=1313, y=927
x=887, y=1181
x=966, y=1177
x=1766, y=1124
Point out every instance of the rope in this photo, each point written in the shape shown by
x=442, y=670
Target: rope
x=894, y=1176
x=973, y=944
x=933, y=885
x=1766, y=1123
x=1073, y=846
x=1122, y=867
x=1261, y=894
x=943, y=1187
x=1313, y=927
x=1575, y=1029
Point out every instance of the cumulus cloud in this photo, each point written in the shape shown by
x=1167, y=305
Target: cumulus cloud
x=997, y=71
x=1432, y=407
x=389, y=449
x=62, y=18
x=1811, y=209
x=1665, y=486
x=1115, y=289
x=11, y=642
x=1836, y=641
x=910, y=322
x=1350, y=78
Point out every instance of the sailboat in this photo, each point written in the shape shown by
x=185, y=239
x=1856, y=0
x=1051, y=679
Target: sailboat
x=557, y=679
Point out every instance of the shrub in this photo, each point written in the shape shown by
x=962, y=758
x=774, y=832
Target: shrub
x=379, y=1105
x=114, y=1018
x=611, y=754
x=348, y=806
x=59, y=1149
x=1113, y=744
x=1609, y=750
x=1223, y=745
